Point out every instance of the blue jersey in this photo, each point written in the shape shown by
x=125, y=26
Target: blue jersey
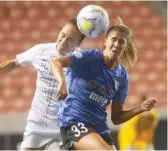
x=91, y=85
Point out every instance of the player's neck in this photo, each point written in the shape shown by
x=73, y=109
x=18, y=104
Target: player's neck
x=111, y=64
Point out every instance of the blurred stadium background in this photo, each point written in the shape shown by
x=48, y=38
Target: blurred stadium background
x=24, y=24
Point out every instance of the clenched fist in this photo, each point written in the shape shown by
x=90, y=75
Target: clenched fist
x=148, y=104
x=62, y=91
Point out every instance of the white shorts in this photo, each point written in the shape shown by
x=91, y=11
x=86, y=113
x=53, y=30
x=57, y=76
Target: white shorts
x=37, y=135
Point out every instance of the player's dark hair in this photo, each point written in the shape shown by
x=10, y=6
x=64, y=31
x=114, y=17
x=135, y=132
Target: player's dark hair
x=74, y=23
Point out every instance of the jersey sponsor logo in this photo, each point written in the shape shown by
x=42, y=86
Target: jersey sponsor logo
x=98, y=98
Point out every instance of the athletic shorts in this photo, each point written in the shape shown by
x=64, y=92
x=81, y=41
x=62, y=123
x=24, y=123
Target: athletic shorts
x=37, y=135
x=75, y=132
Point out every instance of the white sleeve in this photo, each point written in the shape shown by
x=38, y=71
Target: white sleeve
x=28, y=56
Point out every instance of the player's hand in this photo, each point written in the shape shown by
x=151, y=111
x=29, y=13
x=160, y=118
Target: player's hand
x=148, y=104
x=62, y=91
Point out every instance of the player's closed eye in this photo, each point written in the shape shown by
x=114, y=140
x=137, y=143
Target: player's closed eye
x=122, y=41
x=113, y=39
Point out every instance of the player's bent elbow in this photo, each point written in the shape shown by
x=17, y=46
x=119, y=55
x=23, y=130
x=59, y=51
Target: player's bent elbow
x=9, y=65
x=54, y=63
x=115, y=121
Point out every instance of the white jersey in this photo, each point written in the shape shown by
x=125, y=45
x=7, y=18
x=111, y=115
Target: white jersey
x=45, y=105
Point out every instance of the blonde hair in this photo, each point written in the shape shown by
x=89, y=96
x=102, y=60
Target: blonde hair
x=129, y=56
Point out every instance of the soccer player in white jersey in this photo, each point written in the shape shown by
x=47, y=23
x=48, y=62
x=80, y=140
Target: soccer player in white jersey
x=42, y=129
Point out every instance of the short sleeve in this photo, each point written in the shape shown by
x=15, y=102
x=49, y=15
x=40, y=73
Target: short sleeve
x=83, y=57
x=28, y=56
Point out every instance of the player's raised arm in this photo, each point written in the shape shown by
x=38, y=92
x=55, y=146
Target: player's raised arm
x=21, y=60
x=57, y=69
x=9, y=65
x=119, y=115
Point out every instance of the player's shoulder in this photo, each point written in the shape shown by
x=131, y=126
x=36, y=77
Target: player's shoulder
x=44, y=48
x=92, y=52
x=45, y=45
x=153, y=113
x=85, y=52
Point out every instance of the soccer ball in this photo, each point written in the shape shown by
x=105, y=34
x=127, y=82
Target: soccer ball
x=93, y=20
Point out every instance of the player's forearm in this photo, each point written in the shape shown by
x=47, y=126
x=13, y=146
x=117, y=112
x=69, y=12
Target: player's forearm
x=124, y=116
x=9, y=65
x=57, y=70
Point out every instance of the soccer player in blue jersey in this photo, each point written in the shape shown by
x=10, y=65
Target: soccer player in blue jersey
x=94, y=79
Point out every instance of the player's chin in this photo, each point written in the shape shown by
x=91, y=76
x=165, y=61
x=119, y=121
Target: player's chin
x=62, y=49
x=113, y=56
x=59, y=48
x=67, y=50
